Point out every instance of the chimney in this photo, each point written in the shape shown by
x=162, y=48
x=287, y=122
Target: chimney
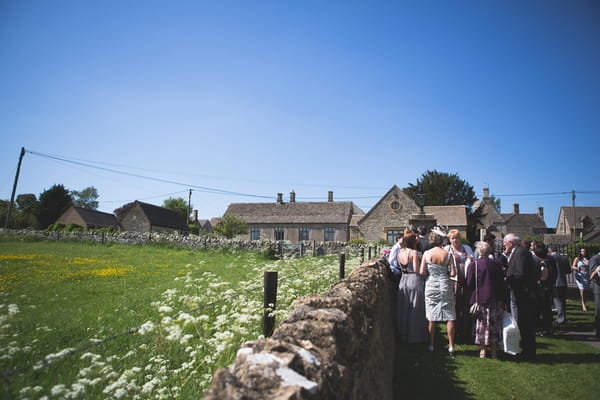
x=486, y=193
x=292, y=196
x=330, y=196
x=195, y=215
x=516, y=208
x=279, y=198
x=541, y=212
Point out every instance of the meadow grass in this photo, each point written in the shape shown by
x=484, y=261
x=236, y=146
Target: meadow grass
x=179, y=315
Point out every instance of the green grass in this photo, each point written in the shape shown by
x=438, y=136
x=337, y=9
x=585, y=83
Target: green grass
x=197, y=307
x=565, y=368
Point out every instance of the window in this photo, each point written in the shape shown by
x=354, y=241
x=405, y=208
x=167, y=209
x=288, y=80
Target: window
x=395, y=205
x=391, y=235
x=329, y=234
x=279, y=233
x=303, y=233
x=255, y=233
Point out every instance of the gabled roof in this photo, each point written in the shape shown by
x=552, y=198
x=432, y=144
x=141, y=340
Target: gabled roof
x=580, y=212
x=517, y=220
x=330, y=212
x=164, y=217
x=97, y=218
x=396, y=192
x=448, y=215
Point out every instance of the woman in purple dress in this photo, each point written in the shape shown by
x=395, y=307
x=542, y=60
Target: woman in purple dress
x=486, y=280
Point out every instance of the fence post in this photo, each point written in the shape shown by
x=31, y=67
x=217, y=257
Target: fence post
x=270, y=302
x=362, y=255
x=370, y=252
x=342, y=265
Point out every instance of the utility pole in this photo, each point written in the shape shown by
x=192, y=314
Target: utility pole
x=574, y=220
x=189, y=207
x=12, y=197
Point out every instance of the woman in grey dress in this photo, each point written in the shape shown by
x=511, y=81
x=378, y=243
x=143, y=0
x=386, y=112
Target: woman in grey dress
x=438, y=267
x=412, y=325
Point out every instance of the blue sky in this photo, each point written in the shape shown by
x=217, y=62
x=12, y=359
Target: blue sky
x=240, y=100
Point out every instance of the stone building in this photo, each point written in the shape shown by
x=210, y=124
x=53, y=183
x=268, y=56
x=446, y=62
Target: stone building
x=585, y=220
x=144, y=217
x=88, y=219
x=298, y=221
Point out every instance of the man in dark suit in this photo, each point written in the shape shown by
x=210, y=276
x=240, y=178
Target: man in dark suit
x=522, y=278
x=560, y=285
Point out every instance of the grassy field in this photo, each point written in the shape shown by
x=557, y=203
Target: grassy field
x=90, y=321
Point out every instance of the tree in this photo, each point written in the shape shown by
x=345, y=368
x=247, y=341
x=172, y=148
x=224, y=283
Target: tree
x=231, y=225
x=444, y=189
x=27, y=206
x=177, y=204
x=53, y=202
x=87, y=198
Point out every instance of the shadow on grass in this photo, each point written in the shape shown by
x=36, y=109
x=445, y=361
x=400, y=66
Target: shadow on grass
x=421, y=374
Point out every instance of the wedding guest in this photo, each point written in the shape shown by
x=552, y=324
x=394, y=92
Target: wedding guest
x=463, y=256
x=546, y=270
x=486, y=281
x=412, y=325
x=438, y=266
x=560, y=284
x=521, y=278
x=581, y=266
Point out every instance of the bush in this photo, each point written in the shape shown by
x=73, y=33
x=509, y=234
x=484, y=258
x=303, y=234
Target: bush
x=357, y=242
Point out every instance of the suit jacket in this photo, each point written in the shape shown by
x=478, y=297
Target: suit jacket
x=521, y=272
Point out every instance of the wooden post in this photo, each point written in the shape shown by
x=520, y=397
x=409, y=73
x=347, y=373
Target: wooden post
x=270, y=302
x=7, y=220
x=342, y=265
x=362, y=255
x=370, y=252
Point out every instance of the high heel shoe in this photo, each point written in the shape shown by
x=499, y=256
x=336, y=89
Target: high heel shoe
x=482, y=353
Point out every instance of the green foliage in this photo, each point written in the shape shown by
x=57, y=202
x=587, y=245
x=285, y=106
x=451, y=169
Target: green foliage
x=53, y=202
x=179, y=205
x=73, y=228
x=357, y=242
x=231, y=225
x=24, y=214
x=381, y=243
x=87, y=198
x=194, y=229
x=57, y=226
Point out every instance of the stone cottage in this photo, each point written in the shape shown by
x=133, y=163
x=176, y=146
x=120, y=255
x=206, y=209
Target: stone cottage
x=144, y=217
x=298, y=221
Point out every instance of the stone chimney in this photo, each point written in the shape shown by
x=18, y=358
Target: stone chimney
x=541, y=212
x=330, y=196
x=279, y=198
x=516, y=208
x=486, y=193
x=292, y=197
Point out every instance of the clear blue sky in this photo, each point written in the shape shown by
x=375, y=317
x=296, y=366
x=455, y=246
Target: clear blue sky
x=261, y=97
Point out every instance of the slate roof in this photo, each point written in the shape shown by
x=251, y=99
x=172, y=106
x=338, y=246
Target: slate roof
x=334, y=212
x=530, y=221
x=164, y=217
x=448, y=215
x=580, y=212
x=97, y=218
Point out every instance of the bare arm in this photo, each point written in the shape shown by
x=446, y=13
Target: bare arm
x=574, y=266
x=416, y=261
x=423, y=268
x=452, y=267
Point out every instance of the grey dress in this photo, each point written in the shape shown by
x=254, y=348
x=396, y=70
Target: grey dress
x=439, y=293
x=410, y=307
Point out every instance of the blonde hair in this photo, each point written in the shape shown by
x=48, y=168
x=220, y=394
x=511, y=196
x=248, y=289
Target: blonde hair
x=483, y=248
x=454, y=232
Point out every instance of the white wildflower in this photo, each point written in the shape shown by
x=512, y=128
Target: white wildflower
x=165, y=309
x=13, y=309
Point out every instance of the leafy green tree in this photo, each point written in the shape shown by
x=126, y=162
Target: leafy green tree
x=53, y=202
x=231, y=225
x=3, y=211
x=177, y=204
x=444, y=189
x=26, y=207
x=87, y=198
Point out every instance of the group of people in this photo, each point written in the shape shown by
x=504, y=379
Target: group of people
x=440, y=279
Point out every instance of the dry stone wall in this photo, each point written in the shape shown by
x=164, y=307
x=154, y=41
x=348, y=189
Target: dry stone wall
x=340, y=345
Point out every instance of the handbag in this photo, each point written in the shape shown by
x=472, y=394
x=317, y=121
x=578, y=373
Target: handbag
x=475, y=308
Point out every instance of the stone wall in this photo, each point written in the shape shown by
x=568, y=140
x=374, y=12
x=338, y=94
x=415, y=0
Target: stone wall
x=190, y=241
x=340, y=345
